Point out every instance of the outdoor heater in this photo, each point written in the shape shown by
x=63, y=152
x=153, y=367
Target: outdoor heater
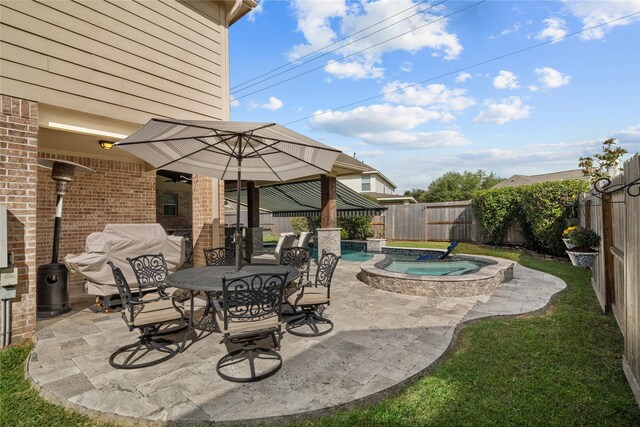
x=52, y=280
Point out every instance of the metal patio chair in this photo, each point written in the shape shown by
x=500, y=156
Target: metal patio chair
x=310, y=300
x=151, y=271
x=148, y=316
x=251, y=312
x=299, y=258
x=220, y=256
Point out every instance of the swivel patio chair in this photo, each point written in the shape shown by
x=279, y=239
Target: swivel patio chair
x=311, y=298
x=148, y=316
x=303, y=240
x=151, y=271
x=251, y=312
x=220, y=256
x=299, y=258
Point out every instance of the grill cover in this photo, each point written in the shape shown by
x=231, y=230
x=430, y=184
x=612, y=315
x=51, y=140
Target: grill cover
x=117, y=242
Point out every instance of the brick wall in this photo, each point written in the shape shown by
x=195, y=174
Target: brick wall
x=118, y=192
x=18, y=176
x=183, y=219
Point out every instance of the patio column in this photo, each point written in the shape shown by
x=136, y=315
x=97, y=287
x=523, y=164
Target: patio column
x=253, y=241
x=329, y=233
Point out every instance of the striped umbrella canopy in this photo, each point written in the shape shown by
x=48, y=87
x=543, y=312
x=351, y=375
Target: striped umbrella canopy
x=230, y=150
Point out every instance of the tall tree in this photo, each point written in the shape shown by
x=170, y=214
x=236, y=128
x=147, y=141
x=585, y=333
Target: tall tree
x=605, y=164
x=453, y=186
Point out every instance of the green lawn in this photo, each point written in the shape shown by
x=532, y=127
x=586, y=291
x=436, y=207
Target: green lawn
x=561, y=367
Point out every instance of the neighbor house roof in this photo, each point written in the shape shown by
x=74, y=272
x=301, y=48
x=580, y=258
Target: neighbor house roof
x=517, y=180
x=354, y=163
x=390, y=198
x=303, y=199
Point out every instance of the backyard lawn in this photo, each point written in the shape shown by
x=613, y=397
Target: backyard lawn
x=559, y=367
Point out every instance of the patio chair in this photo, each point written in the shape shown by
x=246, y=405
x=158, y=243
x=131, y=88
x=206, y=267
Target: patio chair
x=300, y=258
x=303, y=240
x=220, y=256
x=151, y=271
x=311, y=298
x=251, y=312
x=285, y=241
x=428, y=257
x=148, y=316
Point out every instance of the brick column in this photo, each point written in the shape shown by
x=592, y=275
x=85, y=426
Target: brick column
x=18, y=181
x=329, y=234
x=208, y=216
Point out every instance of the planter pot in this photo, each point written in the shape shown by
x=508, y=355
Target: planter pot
x=568, y=244
x=582, y=259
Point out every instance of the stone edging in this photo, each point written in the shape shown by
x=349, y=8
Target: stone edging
x=483, y=281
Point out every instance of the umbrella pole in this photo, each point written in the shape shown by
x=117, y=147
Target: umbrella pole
x=238, y=235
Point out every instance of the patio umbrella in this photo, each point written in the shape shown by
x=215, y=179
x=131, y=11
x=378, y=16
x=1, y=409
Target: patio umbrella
x=230, y=150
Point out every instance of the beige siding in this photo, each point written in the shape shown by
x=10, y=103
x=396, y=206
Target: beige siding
x=354, y=182
x=128, y=60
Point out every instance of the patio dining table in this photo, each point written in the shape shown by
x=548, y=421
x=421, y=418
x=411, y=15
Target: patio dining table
x=209, y=281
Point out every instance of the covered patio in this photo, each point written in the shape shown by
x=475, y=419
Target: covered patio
x=382, y=341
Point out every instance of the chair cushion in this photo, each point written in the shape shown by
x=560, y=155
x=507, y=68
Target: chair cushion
x=237, y=327
x=311, y=296
x=155, y=312
x=264, y=259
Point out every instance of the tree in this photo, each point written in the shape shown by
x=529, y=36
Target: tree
x=605, y=164
x=453, y=186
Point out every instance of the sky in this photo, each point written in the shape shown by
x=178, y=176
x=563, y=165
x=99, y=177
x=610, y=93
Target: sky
x=419, y=88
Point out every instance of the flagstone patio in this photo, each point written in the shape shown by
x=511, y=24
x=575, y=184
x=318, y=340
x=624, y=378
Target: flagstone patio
x=381, y=342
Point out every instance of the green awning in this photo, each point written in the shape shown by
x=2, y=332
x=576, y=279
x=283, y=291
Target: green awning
x=303, y=199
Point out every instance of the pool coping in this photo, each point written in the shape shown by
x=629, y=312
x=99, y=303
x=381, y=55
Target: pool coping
x=481, y=282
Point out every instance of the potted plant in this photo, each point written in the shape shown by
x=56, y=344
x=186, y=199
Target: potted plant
x=585, y=243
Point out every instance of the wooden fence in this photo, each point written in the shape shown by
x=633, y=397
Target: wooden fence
x=443, y=221
x=268, y=222
x=616, y=271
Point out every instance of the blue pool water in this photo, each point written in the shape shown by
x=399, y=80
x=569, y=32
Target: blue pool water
x=433, y=268
x=349, y=255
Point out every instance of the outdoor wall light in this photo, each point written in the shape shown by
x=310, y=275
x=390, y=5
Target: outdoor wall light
x=106, y=144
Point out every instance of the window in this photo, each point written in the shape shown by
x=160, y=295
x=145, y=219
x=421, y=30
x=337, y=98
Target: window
x=366, y=182
x=170, y=204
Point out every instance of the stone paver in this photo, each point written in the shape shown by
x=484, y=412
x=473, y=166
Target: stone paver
x=380, y=339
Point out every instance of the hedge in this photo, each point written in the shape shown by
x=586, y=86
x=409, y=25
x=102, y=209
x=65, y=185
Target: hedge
x=543, y=211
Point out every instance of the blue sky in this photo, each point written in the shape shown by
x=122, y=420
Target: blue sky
x=528, y=113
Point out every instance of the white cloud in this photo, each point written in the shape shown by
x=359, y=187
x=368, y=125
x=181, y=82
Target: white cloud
x=374, y=118
x=406, y=66
x=437, y=96
x=387, y=125
x=555, y=28
x=324, y=22
x=251, y=17
x=355, y=70
x=598, y=12
x=550, y=78
x=533, y=88
x=504, y=111
x=505, y=80
x=273, y=104
x=516, y=27
x=462, y=77
x=233, y=101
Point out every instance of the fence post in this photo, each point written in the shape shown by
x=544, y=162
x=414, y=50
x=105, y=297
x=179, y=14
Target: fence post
x=587, y=214
x=607, y=242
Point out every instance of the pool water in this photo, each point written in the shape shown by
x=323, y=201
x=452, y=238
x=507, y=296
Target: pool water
x=348, y=255
x=431, y=268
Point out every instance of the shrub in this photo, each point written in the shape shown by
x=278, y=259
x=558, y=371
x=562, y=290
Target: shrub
x=495, y=210
x=543, y=211
x=303, y=223
x=354, y=227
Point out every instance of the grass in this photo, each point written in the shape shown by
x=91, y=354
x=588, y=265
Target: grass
x=561, y=367
x=20, y=404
